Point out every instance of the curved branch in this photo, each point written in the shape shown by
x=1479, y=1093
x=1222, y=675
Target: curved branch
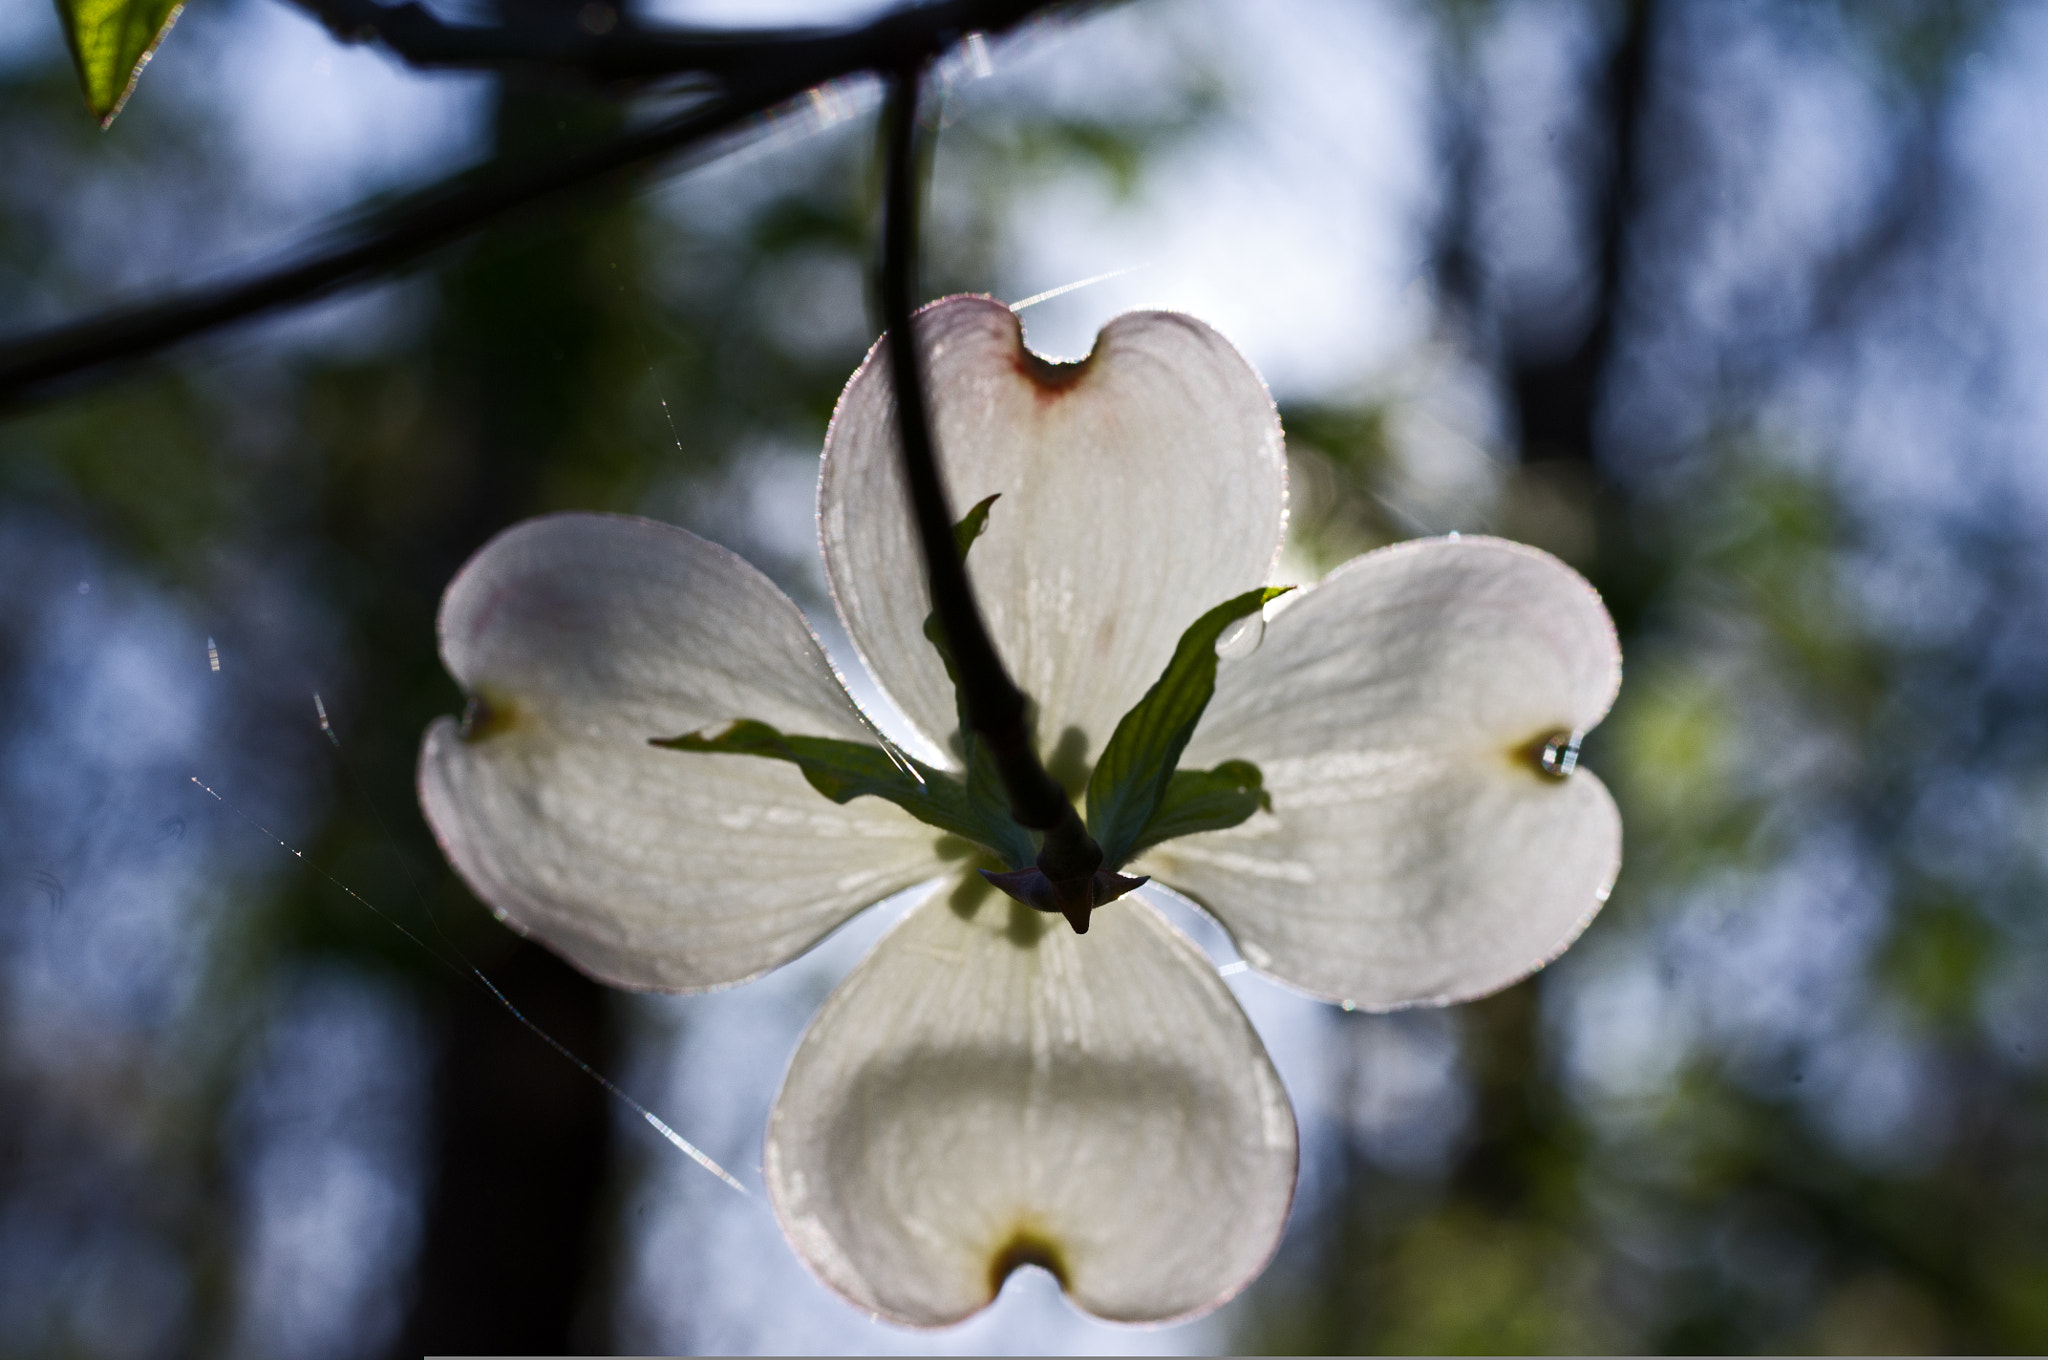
x=992, y=704
x=776, y=71
x=621, y=50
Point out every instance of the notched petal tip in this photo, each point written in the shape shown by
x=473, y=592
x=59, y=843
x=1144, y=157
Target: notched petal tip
x=488, y=715
x=1051, y=379
x=1026, y=1247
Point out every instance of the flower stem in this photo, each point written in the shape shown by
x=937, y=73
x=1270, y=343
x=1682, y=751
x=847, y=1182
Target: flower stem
x=995, y=708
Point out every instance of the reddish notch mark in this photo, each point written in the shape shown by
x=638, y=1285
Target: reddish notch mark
x=1052, y=380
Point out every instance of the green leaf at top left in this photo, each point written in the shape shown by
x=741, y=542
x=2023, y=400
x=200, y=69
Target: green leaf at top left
x=111, y=41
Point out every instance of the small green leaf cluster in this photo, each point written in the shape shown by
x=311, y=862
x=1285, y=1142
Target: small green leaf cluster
x=1137, y=798
x=846, y=770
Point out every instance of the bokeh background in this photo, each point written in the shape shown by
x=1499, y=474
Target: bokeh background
x=1740, y=306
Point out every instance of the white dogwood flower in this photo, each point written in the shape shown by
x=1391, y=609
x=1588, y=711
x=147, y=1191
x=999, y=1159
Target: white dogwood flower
x=1379, y=804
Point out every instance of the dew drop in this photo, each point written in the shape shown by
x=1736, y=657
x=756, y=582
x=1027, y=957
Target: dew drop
x=1350, y=1006
x=1560, y=755
x=1242, y=638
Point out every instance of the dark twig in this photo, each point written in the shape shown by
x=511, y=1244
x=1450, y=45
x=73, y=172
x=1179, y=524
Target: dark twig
x=994, y=707
x=613, y=48
x=372, y=247
x=353, y=253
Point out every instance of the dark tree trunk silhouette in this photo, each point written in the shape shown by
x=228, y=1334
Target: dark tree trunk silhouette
x=516, y=1224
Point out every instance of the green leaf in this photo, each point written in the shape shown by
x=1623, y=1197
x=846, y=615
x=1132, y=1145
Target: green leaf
x=111, y=41
x=984, y=783
x=1205, y=800
x=964, y=533
x=971, y=524
x=846, y=770
x=1131, y=778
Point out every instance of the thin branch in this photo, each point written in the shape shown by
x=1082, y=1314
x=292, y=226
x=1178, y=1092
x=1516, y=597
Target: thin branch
x=361, y=250
x=994, y=707
x=623, y=50
x=32, y=365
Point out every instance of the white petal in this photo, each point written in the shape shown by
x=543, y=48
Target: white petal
x=1139, y=488
x=989, y=1089
x=1415, y=852
x=584, y=636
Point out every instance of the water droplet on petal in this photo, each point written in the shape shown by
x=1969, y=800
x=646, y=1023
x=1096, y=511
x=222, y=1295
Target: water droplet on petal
x=1242, y=638
x=1560, y=755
